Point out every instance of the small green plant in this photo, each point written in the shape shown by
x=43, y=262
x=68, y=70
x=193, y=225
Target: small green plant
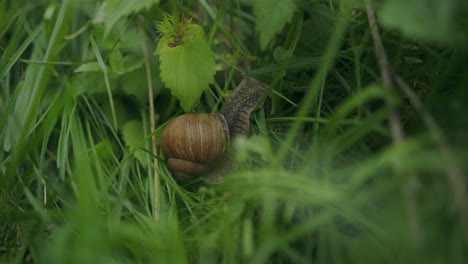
x=187, y=62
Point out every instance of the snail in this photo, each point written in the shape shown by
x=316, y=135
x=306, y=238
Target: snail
x=201, y=144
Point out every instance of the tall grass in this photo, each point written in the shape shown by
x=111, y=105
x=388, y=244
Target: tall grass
x=320, y=179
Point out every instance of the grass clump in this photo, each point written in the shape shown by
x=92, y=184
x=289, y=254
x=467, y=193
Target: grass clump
x=323, y=179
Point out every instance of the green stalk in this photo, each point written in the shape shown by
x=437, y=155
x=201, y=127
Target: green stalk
x=35, y=83
x=103, y=67
x=240, y=47
x=175, y=15
x=219, y=14
x=316, y=84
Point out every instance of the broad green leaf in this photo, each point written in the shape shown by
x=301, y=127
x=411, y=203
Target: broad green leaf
x=89, y=67
x=132, y=62
x=87, y=83
x=122, y=111
x=116, y=9
x=133, y=136
x=135, y=83
x=280, y=54
x=421, y=19
x=132, y=40
x=187, y=62
x=121, y=64
x=116, y=61
x=271, y=16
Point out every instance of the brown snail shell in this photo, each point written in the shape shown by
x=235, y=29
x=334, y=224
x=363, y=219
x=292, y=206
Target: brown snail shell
x=192, y=142
x=199, y=144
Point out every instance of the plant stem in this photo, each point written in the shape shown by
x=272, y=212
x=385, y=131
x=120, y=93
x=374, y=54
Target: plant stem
x=395, y=128
x=152, y=120
x=175, y=15
x=313, y=89
x=102, y=65
x=224, y=5
x=453, y=170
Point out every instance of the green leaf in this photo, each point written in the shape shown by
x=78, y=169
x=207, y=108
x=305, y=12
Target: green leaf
x=280, y=54
x=132, y=62
x=430, y=20
x=89, y=67
x=133, y=135
x=271, y=16
x=135, y=83
x=116, y=9
x=116, y=61
x=123, y=111
x=187, y=62
x=122, y=64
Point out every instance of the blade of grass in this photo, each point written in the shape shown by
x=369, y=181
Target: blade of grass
x=238, y=46
x=11, y=60
x=293, y=38
x=314, y=87
x=35, y=83
x=149, y=82
x=224, y=5
x=396, y=129
x=103, y=67
x=294, y=64
x=352, y=103
x=453, y=170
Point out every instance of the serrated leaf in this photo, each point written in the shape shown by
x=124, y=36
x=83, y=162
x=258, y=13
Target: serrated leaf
x=133, y=136
x=271, y=16
x=89, y=67
x=116, y=9
x=187, y=62
x=422, y=19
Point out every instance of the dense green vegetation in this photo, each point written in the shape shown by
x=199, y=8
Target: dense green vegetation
x=350, y=160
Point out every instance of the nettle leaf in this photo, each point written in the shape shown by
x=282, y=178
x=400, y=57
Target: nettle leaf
x=116, y=9
x=271, y=16
x=187, y=62
x=133, y=136
x=422, y=19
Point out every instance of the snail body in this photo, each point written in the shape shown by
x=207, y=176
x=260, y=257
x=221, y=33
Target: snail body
x=201, y=144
